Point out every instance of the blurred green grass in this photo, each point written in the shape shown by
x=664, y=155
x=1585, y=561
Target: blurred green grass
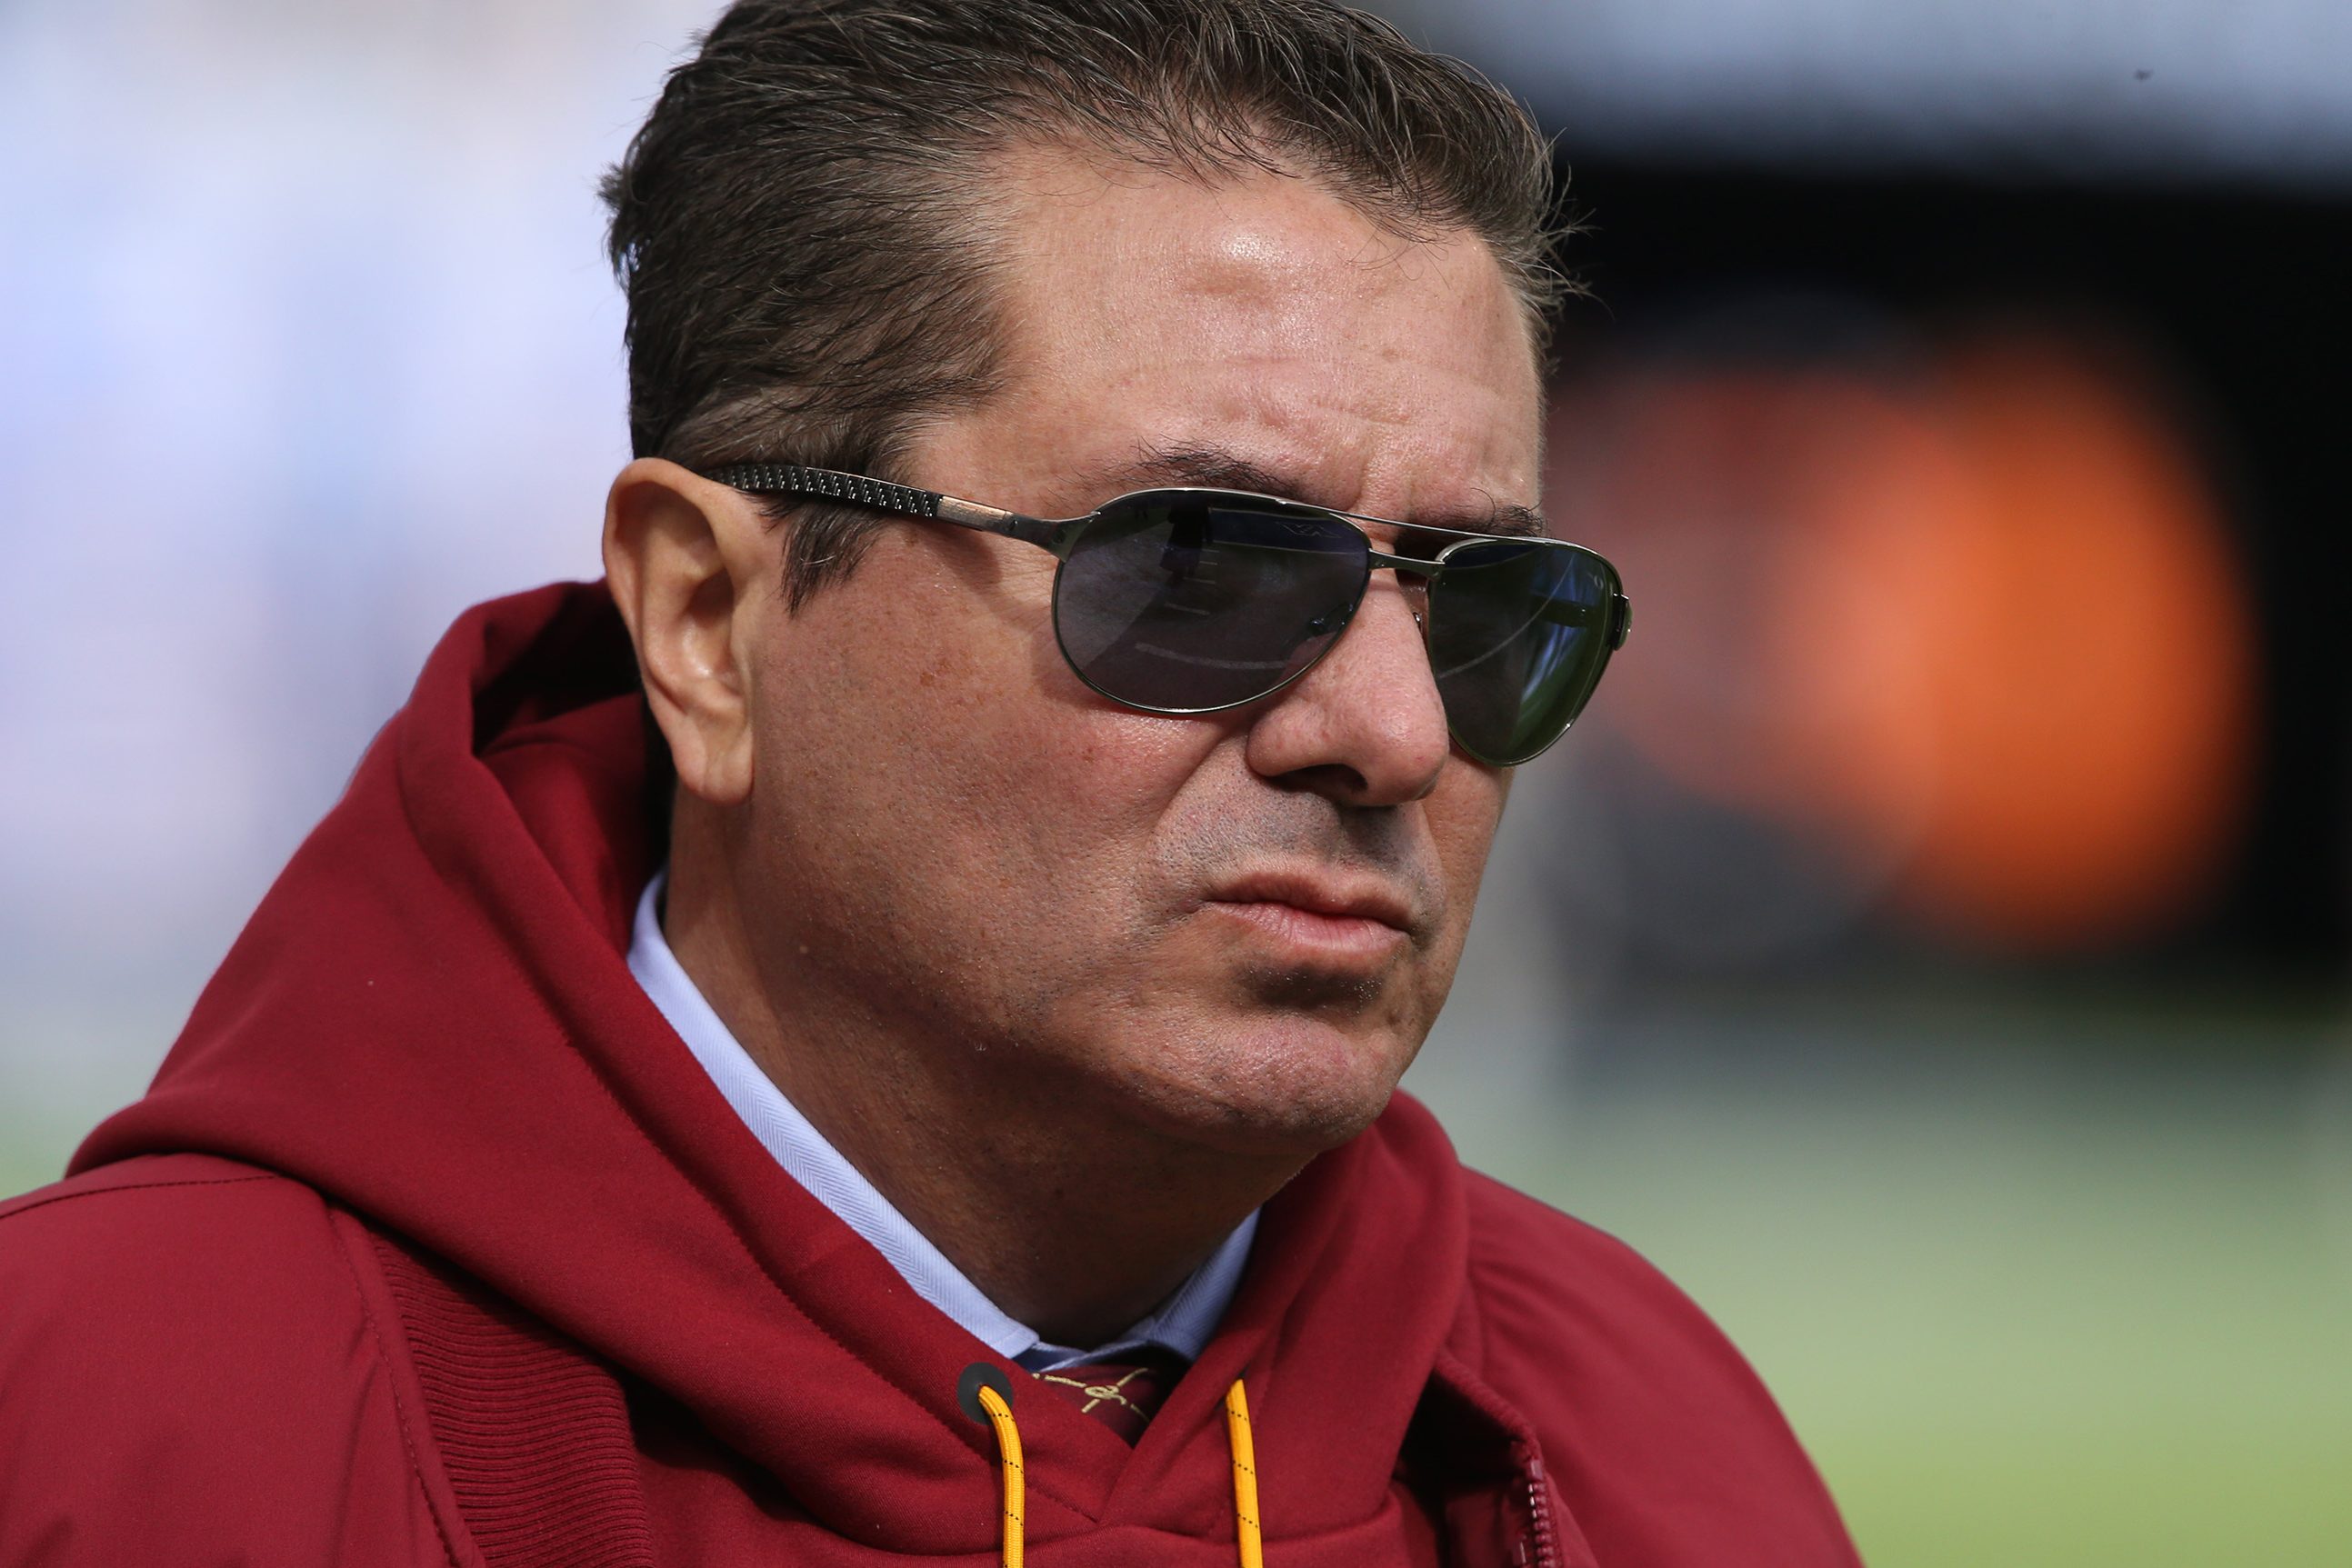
x=26, y=1158
x=2024, y=1308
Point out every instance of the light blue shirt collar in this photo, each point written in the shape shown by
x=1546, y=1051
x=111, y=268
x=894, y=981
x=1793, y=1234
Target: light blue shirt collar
x=1183, y=1325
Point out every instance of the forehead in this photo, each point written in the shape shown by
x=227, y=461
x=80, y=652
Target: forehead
x=1260, y=316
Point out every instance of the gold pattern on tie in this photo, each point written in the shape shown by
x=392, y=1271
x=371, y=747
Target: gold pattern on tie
x=1121, y=1395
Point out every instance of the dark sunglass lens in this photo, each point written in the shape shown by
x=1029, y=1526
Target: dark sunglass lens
x=1181, y=602
x=1519, y=634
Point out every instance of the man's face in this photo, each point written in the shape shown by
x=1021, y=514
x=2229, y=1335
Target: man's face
x=1236, y=928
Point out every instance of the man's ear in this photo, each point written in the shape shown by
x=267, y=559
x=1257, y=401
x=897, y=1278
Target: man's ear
x=691, y=564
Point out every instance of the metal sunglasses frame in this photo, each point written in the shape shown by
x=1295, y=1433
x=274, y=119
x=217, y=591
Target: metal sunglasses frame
x=1057, y=535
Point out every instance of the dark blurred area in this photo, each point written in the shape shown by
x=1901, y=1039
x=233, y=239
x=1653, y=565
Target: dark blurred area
x=2079, y=450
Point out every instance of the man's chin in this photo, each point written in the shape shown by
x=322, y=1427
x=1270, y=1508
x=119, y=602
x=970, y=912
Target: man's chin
x=1289, y=1083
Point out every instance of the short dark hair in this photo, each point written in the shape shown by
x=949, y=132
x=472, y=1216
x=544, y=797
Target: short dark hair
x=807, y=261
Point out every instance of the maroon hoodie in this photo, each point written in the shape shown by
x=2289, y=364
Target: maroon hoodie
x=432, y=1244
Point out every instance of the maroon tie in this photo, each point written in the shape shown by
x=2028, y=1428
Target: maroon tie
x=1121, y=1395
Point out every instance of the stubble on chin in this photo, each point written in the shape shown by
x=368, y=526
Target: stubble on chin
x=1306, y=988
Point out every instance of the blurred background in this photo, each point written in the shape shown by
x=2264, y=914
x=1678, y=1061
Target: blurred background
x=1931, y=948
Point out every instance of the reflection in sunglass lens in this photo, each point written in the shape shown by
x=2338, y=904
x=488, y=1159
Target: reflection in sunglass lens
x=1519, y=634
x=1181, y=603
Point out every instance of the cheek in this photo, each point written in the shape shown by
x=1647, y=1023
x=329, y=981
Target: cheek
x=945, y=763
x=1087, y=799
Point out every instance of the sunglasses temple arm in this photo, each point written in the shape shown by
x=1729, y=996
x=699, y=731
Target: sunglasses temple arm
x=905, y=500
x=1036, y=531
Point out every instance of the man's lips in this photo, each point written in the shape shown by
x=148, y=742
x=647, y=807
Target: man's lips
x=1335, y=897
x=1337, y=916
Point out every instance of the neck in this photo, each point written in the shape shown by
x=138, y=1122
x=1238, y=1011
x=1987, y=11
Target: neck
x=1072, y=1216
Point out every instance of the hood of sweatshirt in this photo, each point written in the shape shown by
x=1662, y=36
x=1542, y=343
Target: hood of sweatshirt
x=430, y=1019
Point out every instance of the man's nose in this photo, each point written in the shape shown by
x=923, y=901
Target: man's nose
x=1364, y=726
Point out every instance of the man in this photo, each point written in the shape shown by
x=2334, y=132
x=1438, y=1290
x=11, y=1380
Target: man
x=868, y=1038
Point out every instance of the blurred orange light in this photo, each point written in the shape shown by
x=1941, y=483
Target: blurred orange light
x=2097, y=657
x=1982, y=630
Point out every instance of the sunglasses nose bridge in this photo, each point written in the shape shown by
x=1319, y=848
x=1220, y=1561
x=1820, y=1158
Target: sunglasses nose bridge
x=1413, y=576
x=1403, y=565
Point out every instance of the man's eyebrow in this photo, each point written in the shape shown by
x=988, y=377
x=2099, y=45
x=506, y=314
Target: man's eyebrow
x=1508, y=519
x=1211, y=466
x=1217, y=468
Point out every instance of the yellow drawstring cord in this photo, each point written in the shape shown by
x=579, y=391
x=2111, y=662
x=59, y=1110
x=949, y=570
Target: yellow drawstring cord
x=1237, y=1438
x=1008, y=1445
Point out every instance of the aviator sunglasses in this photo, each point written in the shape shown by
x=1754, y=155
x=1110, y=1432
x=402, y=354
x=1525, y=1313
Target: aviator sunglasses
x=1190, y=600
